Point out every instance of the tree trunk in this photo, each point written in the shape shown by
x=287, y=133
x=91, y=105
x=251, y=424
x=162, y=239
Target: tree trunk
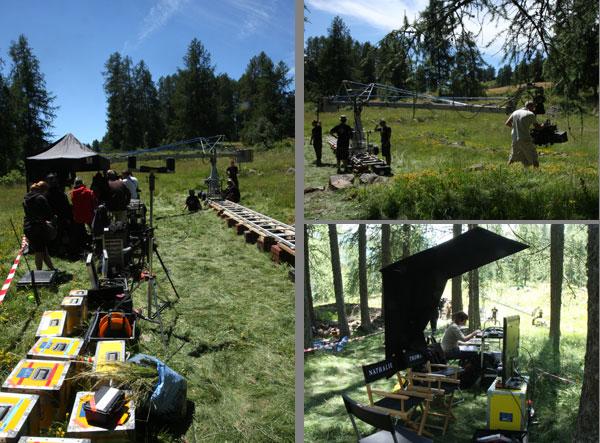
x=386, y=254
x=457, y=304
x=557, y=243
x=586, y=429
x=309, y=319
x=474, y=320
x=338, y=285
x=405, y=241
x=365, y=319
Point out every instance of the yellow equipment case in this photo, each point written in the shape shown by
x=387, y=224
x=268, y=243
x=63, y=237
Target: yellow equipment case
x=56, y=348
x=19, y=414
x=108, y=351
x=45, y=378
x=507, y=408
x=79, y=427
x=52, y=324
x=76, y=308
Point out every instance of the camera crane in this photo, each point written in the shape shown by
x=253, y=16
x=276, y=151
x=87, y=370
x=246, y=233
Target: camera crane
x=202, y=147
x=358, y=94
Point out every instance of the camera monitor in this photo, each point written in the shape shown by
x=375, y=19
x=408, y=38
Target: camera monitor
x=510, y=347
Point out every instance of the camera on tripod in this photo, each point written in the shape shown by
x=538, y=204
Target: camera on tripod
x=548, y=134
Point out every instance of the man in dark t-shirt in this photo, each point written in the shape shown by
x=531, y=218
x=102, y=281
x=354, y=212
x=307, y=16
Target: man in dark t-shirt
x=316, y=139
x=386, y=136
x=344, y=134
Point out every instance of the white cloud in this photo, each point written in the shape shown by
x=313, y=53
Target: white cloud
x=156, y=18
x=385, y=15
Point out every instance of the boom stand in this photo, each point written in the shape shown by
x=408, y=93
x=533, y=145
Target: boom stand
x=151, y=294
x=150, y=290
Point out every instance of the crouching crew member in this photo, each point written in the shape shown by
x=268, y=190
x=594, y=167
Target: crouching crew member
x=232, y=193
x=192, y=202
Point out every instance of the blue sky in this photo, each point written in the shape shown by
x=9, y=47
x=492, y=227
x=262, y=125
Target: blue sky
x=371, y=20
x=73, y=39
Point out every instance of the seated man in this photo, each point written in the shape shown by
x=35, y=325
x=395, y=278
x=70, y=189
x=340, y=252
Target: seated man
x=454, y=336
x=192, y=203
x=232, y=193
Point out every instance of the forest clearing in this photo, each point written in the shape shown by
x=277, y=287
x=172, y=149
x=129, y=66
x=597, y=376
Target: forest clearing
x=524, y=284
x=453, y=165
x=238, y=361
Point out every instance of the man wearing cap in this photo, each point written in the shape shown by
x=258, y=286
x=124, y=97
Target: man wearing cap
x=523, y=150
x=343, y=133
x=316, y=139
x=386, y=136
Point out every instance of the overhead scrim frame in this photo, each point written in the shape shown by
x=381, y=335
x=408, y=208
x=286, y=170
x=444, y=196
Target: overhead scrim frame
x=413, y=287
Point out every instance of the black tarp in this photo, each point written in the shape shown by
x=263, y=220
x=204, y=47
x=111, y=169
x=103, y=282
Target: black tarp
x=64, y=156
x=413, y=287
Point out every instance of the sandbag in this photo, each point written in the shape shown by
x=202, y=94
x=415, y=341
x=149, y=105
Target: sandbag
x=169, y=398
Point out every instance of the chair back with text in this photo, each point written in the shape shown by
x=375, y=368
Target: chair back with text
x=379, y=420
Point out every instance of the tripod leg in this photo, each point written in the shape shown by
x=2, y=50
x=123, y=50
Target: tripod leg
x=162, y=264
x=158, y=314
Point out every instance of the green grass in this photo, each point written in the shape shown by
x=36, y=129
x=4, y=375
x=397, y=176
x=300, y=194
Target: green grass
x=232, y=331
x=431, y=159
x=327, y=375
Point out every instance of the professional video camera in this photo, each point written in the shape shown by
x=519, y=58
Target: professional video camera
x=123, y=245
x=548, y=134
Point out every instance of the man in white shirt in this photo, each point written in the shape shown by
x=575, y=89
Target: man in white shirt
x=523, y=150
x=131, y=183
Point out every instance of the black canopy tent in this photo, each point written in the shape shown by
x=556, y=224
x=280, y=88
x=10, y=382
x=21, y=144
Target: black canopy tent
x=66, y=155
x=413, y=287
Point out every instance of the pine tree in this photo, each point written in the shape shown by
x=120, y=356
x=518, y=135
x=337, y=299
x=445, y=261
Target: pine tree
x=557, y=246
x=31, y=102
x=335, y=61
x=266, y=114
x=147, y=119
x=436, y=44
x=9, y=149
x=117, y=85
x=227, y=107
x=166, y=94
x=195, y=97
x=465, y=78
x=365, y=319
x=338, y=284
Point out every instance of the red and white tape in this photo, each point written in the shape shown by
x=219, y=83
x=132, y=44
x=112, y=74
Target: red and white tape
x=12, y=271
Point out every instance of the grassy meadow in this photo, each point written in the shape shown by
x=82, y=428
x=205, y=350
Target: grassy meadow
x=231, y=335
x=327, y=375
x=453, y=165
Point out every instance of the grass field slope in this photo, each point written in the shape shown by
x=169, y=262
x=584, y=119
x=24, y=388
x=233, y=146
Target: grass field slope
x=231, y=335
x=556, y=401
x=453, y=165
